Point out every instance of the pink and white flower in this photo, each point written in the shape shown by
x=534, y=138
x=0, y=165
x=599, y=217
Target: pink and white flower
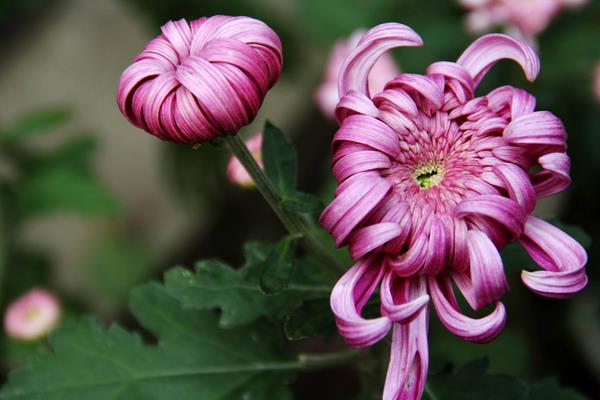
x=236, y=173
x=200, y=80
x=326, y=95
x=529, y=17
x=432, y=183
x=32, y=315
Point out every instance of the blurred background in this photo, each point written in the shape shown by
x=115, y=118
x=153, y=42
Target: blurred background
x=91, y=206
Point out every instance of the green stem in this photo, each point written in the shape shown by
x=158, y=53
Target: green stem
x=294, y=223
x=318, y=361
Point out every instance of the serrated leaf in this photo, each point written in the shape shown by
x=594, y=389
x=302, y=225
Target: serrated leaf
x=279, y=159
x=193, y=360
x=64, y=189
x=276, y=272
x=237, y=293
x=313, y=318
x=36, y=123
x=301, y=202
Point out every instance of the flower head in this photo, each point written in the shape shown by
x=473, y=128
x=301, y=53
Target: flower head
x=200, y=80
x=326, y=95
x=529, y=17
x=32, y=315
x=432, y=183
x=236, y=173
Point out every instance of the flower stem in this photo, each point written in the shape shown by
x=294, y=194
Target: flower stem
x=294, y=223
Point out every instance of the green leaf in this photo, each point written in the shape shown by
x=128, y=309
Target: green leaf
x=279, y=159
x=193, y=360
x=301, y=202
x=64, y=189
x=237, y=293
x=472, y=382
x=549, y=389
x=313, y=318
x=36, y=123
x=276, y=272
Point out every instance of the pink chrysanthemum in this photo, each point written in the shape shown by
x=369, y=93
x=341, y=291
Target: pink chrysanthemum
x=200, y=80
x=432, y=183
x=32, y=315
x=529, y=17
x=236, y=173
x=326, y=95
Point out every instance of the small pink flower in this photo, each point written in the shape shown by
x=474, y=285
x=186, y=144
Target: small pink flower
x=432, y=183
x=236, y=173
x=200, y=80
x=32, y=315
x=529, y=17
x=326, y=95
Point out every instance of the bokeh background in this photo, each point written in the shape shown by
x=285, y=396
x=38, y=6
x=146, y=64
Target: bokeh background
x=90, y=206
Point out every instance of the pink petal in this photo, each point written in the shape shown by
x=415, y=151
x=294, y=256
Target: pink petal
x=540, y=128
x=422, y=85
x=505, y=212
x=554, y=177
x=479, y=330
x=355, y=71
x=485, y=282
x=349, y=296
x=370, y=131
x=562, y=258
x=518, y=185
x=354, y=103
x=359, y=161
x=482, y=54
x=409, y=360
x=366, y=239
x=410, y=262
x=402, y=299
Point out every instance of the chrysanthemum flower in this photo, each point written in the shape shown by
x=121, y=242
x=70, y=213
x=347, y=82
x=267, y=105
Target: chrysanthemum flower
x=200, y=80
x=236, y=173
x=529, y=17
x=32, y=315
x=432, y=183
x=326, y=95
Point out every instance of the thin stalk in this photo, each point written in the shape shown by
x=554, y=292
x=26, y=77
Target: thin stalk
x=294, y=223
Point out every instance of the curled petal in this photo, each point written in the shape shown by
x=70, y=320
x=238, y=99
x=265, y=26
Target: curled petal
x=402, y=299
x=518, y=185
x=485, y=282
x=540, y=128
x=502, y=210
x=453, y=71
x=562, y=258
x=354, y=102
x=411, y=262
x=352, y=205
x=359, y=161
x=371, y=237
x=355, y=71
x=396, y=99
x=349, y=296
x=554, y=176
x=409, y=360
x=369, y=131
x=479, y=330
x=482, y=54
x=437, y=248
x=422, y=85
x=511, y=102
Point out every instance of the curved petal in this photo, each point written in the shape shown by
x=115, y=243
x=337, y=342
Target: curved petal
x=411, y=262
x=437, y=247
x=354, y=102
x=511, y=102
x=402, y=299
x=554, y=176
x=483, y=53
x=371, y=237
x=369, y=131
x=349, y=296
x=409, y=360
x=518, y=185
x=359, y=161
x=396, y=99
x=479, y=330
x=354, y=73
x=423, y=85
x=485, y=281
x=540, y=128
x=503, y=211
x=562, y=258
